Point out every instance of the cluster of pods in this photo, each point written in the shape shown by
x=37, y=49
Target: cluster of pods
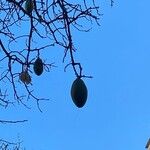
x=79, y=90
x=38, y=70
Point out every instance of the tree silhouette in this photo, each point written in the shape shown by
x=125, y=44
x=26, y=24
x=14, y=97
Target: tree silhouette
x=21, y=28
x=6, y=145
x=23, y=23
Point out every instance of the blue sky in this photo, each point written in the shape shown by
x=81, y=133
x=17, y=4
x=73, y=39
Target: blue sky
x=116, y=115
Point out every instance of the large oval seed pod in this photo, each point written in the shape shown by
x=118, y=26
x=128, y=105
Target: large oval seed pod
x=29, y=6
x=25, y=77
x=79, y=92
x=38, y=66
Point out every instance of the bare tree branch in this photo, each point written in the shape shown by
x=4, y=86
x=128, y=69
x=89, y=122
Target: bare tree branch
x=11, y=122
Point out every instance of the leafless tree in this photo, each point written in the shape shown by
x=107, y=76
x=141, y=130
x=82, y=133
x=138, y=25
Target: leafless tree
x=51, y=22
x=6, y=145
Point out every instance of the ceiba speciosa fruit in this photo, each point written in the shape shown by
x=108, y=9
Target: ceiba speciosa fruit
x=25, y=77
x=79, y=92
x=38, y=66
x=29, y=6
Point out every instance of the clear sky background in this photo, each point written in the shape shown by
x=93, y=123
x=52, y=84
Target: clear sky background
x=117, y=113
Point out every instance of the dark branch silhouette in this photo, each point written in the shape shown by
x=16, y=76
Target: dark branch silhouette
x=27, y=29
x=22, y=28
x=6, y=145
x=10, y=121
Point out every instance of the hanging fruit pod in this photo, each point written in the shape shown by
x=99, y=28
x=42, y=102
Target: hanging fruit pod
x=79, y=92
x=38, y=66
x=25, y=77
x=29, y=6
